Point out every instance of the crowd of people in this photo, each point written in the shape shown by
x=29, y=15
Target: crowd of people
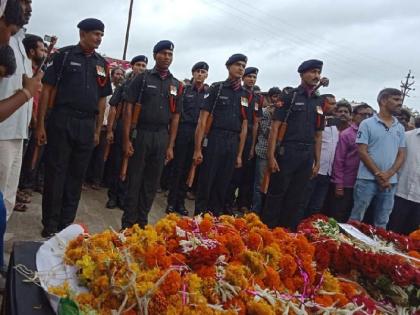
x=68, y=120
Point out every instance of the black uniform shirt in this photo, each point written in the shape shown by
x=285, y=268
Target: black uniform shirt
x=84, y=79
x=159, y=98
x=229, y=109
x=305, y=118
x=191, y=104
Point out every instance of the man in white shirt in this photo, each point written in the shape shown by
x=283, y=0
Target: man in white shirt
x=405, y=217
x=15, y=129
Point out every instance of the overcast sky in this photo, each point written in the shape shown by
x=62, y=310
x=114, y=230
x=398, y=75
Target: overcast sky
x=366, y=45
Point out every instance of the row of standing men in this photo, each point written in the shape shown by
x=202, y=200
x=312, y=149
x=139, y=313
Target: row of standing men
x=154, y=118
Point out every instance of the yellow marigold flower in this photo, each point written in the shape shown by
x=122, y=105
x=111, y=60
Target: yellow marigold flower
x=259, y=308
x=330, y=284
x=87, y=267
x=254, y=261
x=61, y=290
x=238, y=275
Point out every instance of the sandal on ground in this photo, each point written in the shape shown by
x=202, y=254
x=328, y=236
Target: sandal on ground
x=20, y=207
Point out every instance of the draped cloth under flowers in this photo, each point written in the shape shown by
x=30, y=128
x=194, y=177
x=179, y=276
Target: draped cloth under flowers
x=202, y=265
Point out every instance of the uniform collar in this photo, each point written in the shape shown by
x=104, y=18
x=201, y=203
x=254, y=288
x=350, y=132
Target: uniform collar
x=304, y=91
x=78, y=50
x=154, y=71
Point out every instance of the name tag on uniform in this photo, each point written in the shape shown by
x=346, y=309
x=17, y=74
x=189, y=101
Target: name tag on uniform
x=100, y=71
x=73, y=63
x=152, y=86
x=319, y=110
x=299, y=104
x=244, y=101
x=223, y=97
x=173, y=90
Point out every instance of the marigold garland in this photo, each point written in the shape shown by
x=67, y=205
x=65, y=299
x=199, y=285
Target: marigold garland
x=225, y=265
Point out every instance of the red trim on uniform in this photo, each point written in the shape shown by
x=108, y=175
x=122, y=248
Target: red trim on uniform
x=172, y=103
x=102, y=80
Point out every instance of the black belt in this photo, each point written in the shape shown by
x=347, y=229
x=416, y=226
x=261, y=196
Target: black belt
x=153, y=128
x=75, y=113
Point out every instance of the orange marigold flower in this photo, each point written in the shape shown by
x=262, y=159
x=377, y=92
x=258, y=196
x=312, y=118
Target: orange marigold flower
x=206, y=225
x=272, y=279
x=324, y=300
x=205, y=271
x=254, y=241
x=415, y=235
x=158, y=304
x=237, y=304
x=172, y=283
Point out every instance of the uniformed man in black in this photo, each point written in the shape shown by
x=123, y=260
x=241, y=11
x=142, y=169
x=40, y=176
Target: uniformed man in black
x=243, y=177
x=158, y=95
x=226, y=104
x=193, y=97
x=298, y=156
x=76, y=83
x=117, y=187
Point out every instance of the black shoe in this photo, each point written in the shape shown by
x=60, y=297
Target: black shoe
x=170, y=209
x=183, y=211
x=111, y=204
x=47, y=233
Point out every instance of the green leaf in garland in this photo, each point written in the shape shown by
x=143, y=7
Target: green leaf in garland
x=68, y=307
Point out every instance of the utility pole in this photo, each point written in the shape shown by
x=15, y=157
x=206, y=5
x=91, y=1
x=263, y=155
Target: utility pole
x=406, y=86
x=127, y=33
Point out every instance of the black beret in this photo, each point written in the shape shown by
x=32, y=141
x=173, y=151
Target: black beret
x=200, y=65
x=273, y=91
x=139, y=58
x=251, y=70
x=235, y=58
x=91, y=25
x=309, y=65
x=163, y=44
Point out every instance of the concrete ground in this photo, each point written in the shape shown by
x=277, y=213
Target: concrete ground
x=92, y=212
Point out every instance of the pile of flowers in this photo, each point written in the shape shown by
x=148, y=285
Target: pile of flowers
x=207, y=265
x=389, y=271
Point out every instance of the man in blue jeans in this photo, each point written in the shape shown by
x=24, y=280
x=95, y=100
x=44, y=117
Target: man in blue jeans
x=382, y=149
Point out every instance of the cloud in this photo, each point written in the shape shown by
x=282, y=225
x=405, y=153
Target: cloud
x=365, y=45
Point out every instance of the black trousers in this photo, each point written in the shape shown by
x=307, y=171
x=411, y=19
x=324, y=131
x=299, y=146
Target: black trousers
x=117, y=190
x=30, y=178
x=183, y=154
x=287, y=187
x=405, y=217
x=67, y=154
x=316, y=192
x=144, y=171
x=243, y=179
x=216, y=171
x=95, y=170
x=340, y=208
